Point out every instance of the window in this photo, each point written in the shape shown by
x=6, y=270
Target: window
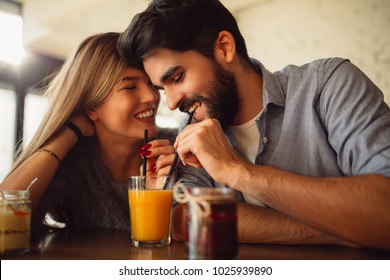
x=35, y=107
x=7, y=128
x=11, y=52
x=11, y=34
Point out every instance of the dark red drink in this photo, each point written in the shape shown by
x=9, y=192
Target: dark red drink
x=212, y=224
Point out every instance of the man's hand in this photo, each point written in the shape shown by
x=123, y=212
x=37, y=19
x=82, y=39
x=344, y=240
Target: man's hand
x=204, y=144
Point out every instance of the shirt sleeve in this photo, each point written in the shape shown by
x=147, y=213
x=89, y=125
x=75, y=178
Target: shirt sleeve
x=356, y=118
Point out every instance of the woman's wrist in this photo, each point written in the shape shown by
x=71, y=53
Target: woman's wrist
x=61, y=144
x=70, y=125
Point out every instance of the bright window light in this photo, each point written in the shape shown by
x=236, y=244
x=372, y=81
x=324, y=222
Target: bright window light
x=34, y=110
x=11, y=34
x=7, y=128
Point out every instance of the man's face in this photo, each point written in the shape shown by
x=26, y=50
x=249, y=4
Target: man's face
x=193, y=82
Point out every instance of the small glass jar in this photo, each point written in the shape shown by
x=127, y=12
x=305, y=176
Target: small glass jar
x=212, y=224
x=15, y=221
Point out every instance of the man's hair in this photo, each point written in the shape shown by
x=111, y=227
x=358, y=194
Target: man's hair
x=179, y=25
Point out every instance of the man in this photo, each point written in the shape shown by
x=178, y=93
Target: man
x=310, y=143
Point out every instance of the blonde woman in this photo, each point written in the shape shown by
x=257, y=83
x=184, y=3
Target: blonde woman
x=91, y=138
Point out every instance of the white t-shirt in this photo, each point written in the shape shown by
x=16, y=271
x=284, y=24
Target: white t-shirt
x=247, y=137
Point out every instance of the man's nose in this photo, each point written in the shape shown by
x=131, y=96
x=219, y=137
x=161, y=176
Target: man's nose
x=173, y=98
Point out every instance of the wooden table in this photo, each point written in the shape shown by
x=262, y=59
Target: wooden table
x=116, y=245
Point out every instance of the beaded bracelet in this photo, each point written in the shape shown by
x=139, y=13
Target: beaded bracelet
x=50, y=153
x=75, y=129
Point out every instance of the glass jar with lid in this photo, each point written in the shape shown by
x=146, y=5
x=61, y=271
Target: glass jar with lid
x=211, y=221
x=15, y=222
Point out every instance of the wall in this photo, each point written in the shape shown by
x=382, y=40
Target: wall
x=282, y=32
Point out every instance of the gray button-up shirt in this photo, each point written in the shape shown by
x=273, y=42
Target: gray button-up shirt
x=325, y=118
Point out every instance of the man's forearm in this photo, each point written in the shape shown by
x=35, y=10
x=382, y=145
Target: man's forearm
x=353, y=208
x=264, y=225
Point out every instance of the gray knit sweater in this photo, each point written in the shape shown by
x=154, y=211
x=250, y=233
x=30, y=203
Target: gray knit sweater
x=83, y=195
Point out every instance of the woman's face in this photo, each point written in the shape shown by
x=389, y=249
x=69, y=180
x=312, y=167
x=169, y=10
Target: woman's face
x=130, y=108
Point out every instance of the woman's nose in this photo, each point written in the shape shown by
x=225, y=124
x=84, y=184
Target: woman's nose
x=151, y=94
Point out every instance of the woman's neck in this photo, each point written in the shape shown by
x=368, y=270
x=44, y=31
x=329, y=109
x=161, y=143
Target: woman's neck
x=121, y=159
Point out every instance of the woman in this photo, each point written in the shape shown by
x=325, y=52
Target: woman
x=90, y=140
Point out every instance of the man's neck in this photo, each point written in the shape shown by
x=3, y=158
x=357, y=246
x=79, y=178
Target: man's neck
x=250, y=87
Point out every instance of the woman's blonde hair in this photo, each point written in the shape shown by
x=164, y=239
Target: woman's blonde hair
x=84, y=82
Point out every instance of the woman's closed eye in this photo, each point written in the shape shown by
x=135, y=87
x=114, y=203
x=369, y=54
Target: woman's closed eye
x=129, y=87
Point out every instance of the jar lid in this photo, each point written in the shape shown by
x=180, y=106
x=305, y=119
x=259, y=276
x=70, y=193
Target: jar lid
x=210, y=191
x=13, y=195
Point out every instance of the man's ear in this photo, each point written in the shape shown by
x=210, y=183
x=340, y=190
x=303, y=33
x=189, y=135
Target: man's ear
x=225, y=47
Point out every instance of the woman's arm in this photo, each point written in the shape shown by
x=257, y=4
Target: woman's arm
x=43, y=165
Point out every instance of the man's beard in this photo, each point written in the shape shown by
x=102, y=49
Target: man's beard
x=223, y=101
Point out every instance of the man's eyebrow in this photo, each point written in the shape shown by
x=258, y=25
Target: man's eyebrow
x=168, y=74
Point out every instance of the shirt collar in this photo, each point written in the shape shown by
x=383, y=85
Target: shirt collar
x=272, y=88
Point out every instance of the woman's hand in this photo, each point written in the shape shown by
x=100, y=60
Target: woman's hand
x=84, y=124
x=160, y=155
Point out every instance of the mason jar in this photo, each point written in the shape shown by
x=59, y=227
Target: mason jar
x=212, y=224
x=15, y=221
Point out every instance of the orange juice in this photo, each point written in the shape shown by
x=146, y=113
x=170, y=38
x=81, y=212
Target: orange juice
x=150, y=213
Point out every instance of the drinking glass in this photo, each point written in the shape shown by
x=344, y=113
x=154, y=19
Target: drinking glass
x=150, y=201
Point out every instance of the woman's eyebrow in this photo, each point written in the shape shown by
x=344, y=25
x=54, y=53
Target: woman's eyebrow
x=130, y=78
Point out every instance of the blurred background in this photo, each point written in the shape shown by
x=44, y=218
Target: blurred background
x=37, y=35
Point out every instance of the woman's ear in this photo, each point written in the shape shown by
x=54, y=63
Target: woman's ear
x=225, y=47
x=91, y=114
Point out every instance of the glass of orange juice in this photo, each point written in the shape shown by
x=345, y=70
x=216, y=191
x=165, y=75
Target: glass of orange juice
x=150, y=201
